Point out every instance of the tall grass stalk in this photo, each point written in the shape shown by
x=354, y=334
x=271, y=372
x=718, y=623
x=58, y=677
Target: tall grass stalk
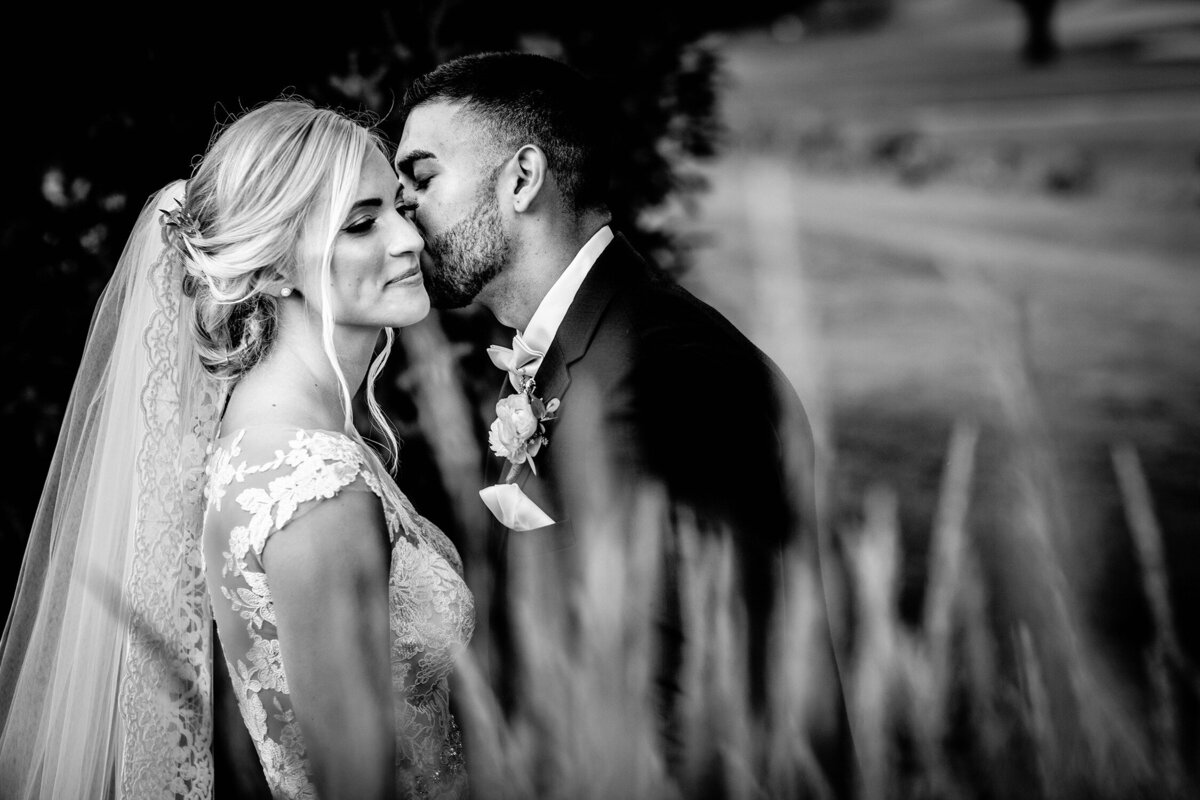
x=932, y=659
x=1166, y=661
x=433, y=380
x=798, y=691
x=1147, y=540
x=874, y=689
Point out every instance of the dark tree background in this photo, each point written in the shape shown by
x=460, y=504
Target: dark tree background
x=1041, y=44
x=105, y=107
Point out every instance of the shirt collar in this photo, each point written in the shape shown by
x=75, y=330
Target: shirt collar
x=543, y=325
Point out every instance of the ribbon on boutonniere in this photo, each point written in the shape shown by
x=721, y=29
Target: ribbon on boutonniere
x=515, y=511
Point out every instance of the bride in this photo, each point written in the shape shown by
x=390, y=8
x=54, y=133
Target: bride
x=209, y=468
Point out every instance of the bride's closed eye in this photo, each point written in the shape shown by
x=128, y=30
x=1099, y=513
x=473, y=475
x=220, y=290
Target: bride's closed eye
x=360, y=225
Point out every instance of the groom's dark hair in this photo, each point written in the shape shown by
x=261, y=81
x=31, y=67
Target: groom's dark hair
x=523, y=98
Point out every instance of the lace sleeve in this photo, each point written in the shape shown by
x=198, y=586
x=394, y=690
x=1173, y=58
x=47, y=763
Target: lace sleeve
x=258, y=483
x=273, y=479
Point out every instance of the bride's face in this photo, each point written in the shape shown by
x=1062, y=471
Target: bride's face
x=376, y=270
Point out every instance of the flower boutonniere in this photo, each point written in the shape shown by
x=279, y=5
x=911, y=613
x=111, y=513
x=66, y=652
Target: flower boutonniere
x=519, y=432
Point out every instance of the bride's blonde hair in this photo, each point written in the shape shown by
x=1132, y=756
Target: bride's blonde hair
x=284, y=173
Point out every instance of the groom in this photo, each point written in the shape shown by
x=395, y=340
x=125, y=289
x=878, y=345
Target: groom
x=503, y=156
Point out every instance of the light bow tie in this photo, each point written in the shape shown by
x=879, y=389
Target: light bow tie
x=520, y=362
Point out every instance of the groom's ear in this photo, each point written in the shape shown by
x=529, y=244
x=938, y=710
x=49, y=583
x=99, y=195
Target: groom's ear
x=529, y=167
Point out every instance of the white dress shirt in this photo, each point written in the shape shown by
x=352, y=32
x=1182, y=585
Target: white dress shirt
x=543, y=325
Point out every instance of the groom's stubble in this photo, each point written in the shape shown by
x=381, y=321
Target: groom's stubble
x=468, y=255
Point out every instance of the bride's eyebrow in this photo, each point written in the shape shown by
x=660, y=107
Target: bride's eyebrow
x=366, y=202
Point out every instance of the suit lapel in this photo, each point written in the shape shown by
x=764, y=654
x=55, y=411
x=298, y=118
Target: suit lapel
x=583, y=316
x=579, y=325
x=575, y=332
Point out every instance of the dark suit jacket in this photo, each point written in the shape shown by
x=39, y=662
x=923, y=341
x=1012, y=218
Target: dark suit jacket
x=656, y=386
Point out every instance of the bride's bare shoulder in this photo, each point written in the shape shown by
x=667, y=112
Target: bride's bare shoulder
x=259, y=401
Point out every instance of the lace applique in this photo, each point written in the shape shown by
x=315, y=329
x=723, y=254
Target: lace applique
x=431, y=611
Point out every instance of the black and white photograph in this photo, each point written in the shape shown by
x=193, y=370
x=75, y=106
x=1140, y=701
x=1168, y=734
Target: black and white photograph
x=784, y=400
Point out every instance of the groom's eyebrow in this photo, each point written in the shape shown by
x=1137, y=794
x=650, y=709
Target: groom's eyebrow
x=405, y=164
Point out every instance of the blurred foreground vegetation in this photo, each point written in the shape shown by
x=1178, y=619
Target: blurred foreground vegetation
x=968, y=647
x=996, y=691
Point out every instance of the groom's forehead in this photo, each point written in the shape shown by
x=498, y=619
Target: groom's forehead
x=442, y=129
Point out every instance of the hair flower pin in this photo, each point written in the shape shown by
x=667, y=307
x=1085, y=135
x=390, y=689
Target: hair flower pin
x=519, y=432
x=179, y=222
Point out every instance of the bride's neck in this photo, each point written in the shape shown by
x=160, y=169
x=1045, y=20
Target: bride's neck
x=296, y=383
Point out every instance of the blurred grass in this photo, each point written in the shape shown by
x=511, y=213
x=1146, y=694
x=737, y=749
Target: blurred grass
x=982, y=281
x=997, y=690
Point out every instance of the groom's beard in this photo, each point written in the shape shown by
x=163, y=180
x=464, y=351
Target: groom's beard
x=467, y=256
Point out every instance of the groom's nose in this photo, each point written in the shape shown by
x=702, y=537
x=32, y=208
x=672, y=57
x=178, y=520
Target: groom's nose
x=408, y=192
x=407, y=201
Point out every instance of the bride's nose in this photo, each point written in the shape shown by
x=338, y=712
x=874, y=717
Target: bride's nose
x=405, y=239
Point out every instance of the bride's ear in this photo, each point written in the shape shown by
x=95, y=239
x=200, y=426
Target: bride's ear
x=280, y=287
x=529, y=167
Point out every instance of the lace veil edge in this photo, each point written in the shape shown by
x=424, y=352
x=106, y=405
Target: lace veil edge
x=105, y=660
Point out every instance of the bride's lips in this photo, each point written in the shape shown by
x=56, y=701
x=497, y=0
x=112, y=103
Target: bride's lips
x=410, y=277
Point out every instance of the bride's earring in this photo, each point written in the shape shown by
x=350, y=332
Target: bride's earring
x=285, y=291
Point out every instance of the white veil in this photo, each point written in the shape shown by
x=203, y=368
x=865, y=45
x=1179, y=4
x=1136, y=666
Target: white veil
x=105, y=661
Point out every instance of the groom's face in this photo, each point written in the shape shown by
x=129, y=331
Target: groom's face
x=444, y=171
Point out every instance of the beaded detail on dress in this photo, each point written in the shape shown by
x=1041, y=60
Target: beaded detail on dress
x=258, y=481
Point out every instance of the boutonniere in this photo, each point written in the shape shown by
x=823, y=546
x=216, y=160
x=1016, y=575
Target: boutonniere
x=519, y=430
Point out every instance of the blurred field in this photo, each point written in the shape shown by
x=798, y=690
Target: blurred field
x=951, y=228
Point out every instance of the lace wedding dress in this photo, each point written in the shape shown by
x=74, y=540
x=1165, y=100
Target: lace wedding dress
x=260, y=479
